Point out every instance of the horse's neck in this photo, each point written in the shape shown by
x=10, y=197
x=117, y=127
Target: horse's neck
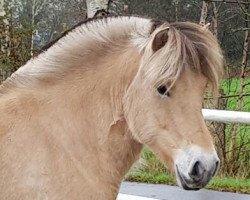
x=106, y=138
x=93, y=101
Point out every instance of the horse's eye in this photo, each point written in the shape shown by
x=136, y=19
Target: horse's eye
x=163, y=90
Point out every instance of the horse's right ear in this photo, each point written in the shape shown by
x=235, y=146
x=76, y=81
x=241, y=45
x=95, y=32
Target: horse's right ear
x=160, y=39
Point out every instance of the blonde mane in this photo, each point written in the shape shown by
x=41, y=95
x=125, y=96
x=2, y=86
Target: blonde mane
x=189, y=45
x=83, y=44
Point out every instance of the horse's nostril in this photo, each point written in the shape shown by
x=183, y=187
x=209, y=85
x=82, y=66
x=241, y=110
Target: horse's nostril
x=217, y=163
x=197, y=171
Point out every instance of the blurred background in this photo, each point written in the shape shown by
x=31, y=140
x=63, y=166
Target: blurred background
x=27, y=25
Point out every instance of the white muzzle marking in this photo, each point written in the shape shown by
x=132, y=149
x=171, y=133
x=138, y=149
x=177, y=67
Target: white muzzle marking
x=194, y=167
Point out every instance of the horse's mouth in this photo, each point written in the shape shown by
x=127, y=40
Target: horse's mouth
x=185, y=182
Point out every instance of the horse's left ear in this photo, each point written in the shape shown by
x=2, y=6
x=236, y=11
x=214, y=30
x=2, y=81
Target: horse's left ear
x=206, y=26
x=160, y=39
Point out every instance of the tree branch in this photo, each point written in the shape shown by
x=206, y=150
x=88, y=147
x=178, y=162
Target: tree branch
x=229, y=96
x=240, y=29
x=224, y=1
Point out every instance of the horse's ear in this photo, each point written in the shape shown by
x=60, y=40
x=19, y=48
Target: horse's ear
x=206, y=26
x=160, y=39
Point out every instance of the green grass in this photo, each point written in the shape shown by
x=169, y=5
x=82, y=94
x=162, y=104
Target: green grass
x=239, y=165
x=231, y=87
x=230, y=184
x=227, y=184
x=147, y=177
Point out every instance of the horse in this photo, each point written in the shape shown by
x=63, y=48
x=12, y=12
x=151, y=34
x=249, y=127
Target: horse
x=75, y=117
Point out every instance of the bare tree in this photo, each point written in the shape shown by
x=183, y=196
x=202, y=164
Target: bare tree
x=204, y=12
x=95, y=6
x=176, y=5
x=215, y=20
x=242, y=76
x=4, y=30
x=36, y=7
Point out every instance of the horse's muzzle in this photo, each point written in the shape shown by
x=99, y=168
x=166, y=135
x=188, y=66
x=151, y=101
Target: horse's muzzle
x=194, y=173
x=197, y=178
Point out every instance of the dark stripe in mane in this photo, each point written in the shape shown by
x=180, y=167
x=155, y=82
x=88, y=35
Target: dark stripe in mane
x=51, y=43
x=156, y=24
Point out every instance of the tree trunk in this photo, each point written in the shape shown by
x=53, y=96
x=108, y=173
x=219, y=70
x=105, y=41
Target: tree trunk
x=33, y=29
x=242, y=80
x=95, y=6
x=2, y=11
x=220, y=129
x=127, y=5
x=215, y=20
x=4, y=31
x=204, y=11
x=36, y=8
x=176, y=4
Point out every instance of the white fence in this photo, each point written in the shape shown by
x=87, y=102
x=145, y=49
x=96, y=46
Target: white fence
x=132, y=197
x=226, y=116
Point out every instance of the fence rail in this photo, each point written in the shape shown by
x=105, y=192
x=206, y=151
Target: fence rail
x=226, y=116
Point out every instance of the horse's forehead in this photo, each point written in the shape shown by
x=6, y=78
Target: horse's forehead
x=188, y=79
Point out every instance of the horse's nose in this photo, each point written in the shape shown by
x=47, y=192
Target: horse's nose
x=198, y=170
x=195, y=167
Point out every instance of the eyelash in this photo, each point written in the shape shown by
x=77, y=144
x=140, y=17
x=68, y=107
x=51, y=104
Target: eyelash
x=162, y=90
